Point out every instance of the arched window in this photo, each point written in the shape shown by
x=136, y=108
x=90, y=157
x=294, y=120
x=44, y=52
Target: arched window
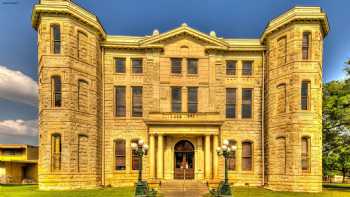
x=83, y=95
x=135, y=163
x=305, y=154
x=55, y=39
x=280, y=155
x=282, y=98
x=119, y=146
x=247, y=152
x=82, y=153
x=305, y=95
x=56, y=149
x=306, y=45
x=56, y=87
x=232, y=160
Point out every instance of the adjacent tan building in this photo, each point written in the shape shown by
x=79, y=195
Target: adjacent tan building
x=183, y=92
x=18, y=163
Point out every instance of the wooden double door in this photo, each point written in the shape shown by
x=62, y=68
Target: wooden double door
x=184, y=160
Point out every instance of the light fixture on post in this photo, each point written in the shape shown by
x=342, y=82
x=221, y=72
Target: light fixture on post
x=227, y=152
x=140, y=149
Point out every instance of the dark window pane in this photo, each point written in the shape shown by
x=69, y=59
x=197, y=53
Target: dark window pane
x=120, y=65
x=247, y=68
x=137, y=101
x=192, y=99
x=120, y=154
x=230, y=103
x=57, y=91
x=56, y=38
x=137, y=66
x=120, y=101
x=230, y=67
x=247, y=103
x=246, y=156
x=176, y=66
x=192, y=66
x=305, y=155
x=305, y=95
x=176, y=99
x=232, y=160
x=56, y=149
x=306, y=45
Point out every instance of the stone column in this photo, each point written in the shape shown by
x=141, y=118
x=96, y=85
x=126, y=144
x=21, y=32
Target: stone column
x=160, y=157
x=152, y=164
x=215, y=156
x=207, y=157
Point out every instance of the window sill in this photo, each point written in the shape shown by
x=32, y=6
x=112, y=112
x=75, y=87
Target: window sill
x=119, y=171
x=137, y=74
x=176, y=74
x=192, y=75
x=116, y=73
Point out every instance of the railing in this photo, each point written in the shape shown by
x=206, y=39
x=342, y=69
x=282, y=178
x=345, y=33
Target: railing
x=184, y=117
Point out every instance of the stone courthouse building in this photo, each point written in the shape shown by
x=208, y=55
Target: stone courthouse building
x=183, y=92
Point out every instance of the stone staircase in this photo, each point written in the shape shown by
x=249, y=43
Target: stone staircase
x=180, y=188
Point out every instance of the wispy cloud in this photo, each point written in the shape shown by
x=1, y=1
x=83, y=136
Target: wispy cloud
x=19, y=127
x=16, y=86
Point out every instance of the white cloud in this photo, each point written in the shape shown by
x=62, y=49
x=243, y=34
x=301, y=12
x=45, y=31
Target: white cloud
x=19, y=127
x=16, y=86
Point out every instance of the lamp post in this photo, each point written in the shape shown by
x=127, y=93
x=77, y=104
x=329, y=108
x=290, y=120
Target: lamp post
x=227, y=152
x=140, y=150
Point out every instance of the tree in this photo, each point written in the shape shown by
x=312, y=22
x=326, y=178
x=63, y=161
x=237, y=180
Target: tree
x=336, y=126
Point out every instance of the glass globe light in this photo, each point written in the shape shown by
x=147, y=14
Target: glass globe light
x=145, y=147
x=233, y=147
x=226, y=142
x=224, y=147
x=218, y=149
x=133, y=146
x=140, y=142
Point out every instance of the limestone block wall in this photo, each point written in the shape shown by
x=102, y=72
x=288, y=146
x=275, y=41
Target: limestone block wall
x=284, y=130
x=68, y=120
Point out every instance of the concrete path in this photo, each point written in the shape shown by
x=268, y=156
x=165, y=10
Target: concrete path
x=180, y=188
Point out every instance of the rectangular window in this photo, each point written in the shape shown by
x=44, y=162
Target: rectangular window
x=192, y=99
x=120, y=153
x=176, y=99
x=176, y=66
x=247, y=163
x=231, y=67
x=56, y=39
x=305, y=95
x=120, y=65
x=230, y=102
x=82, y=45
x=135, y=159
x=282, y=50
x=82, y=153
x=247, y=68
x=305, y=154
x=137, y=66
x=120, y=101
x=192, y=66
x=83, y=91
x=137, y=101
x=57, y=91
x=282, y=98
x=56, y=149
x=306, y=45
x=247, y=95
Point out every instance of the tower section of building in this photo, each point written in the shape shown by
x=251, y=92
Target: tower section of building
x=293, y=96
x=70, y=92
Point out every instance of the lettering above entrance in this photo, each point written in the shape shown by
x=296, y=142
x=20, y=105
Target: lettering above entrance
x=200, y=118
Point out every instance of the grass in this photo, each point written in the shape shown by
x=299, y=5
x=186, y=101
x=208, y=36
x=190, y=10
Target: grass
x=330, y=190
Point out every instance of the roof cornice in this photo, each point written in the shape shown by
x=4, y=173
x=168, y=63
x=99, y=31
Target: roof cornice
x=297, y=14
x=68, y=8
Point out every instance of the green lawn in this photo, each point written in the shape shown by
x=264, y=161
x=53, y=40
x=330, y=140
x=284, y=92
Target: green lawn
x=334, y=190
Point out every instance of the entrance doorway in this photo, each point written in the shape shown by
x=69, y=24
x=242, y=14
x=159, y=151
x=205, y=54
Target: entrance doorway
x=184, y=160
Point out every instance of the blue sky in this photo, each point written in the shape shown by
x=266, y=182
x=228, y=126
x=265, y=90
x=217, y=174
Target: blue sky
x=229, y=18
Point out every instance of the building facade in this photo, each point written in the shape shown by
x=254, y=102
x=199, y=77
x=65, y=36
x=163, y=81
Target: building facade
x=183, y=92
x=18, y=164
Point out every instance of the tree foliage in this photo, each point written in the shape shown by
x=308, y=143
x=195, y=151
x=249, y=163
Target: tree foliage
x=336, y=126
